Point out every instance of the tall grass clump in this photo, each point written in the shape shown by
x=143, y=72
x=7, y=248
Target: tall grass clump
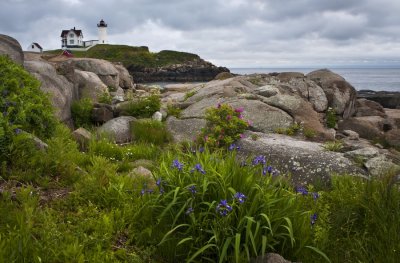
x=81, y=112
x=359, y=219
x=150, y=131
x=143, y=107
x=210, y=207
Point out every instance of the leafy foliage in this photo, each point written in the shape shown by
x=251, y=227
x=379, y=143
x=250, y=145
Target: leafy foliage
x=334, y=146
x=134, y=57
x=105, y=97
x=150, y=131
x=81, y=111
x=209, y=206
x=143, y=107
x=173, y=111
x=358, y=219
x=331, y=118
x=23, y=106
x=225, y=125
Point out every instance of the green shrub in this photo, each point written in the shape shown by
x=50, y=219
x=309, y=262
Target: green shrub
x=144, y=107
x=331, y=119
x=173, y=111
x=23, y=106
x=150, y=131
x=105, y=148
x=309, y=133
x=225, y=125
x=105, y=97
x=190, y=94
x=292, y=130
x=333, y=146
x=81, y=112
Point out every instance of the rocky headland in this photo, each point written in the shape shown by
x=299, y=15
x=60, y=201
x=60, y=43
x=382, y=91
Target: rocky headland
x=273, y=103
x=388, y=99
x=146, y=66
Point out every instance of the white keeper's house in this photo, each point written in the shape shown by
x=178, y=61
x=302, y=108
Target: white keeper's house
x=35, y=47
x=73, y=38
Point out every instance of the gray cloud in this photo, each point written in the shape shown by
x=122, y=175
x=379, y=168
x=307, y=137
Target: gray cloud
x=231, y=33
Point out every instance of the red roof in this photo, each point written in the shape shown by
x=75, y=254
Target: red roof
x=64, y=33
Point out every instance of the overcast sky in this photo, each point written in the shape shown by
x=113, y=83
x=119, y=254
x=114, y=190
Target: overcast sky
x=232, y=33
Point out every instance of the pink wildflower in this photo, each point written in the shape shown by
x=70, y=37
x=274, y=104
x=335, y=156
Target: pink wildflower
x=228, y=117
x=240, y=116
x=218, y=105
x=241, y=136
x=239, y=110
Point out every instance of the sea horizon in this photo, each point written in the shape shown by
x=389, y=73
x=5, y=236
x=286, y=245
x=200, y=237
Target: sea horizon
x=377, y=78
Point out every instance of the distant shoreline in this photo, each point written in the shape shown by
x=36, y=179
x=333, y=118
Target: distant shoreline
x=362, y=78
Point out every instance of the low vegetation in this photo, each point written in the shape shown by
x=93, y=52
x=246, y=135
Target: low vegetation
x=134, y=57
x=200, y=203
x=142, y=107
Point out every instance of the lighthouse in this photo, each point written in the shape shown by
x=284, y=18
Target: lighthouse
x=102, y=26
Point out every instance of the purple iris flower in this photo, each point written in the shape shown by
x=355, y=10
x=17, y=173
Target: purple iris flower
x=223, y=208
x=313, y=219
x=192, y=189
x=301, y=190
x=240, y=197
x=198, y=168
x=189, y=210
x=259, y=160
x=177, y=164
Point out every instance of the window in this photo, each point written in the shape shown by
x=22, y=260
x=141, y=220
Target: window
x=71, y=42
x=33, y=46
x=71, y=35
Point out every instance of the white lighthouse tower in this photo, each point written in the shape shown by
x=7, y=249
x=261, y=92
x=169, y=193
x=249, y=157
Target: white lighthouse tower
x=102, y=26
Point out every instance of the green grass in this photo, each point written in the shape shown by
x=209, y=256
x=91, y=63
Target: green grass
x=133, y=57
x=150, y=131
x=63, y=205
x=333, y=146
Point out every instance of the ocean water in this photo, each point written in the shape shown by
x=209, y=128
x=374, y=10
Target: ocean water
x=378, y=79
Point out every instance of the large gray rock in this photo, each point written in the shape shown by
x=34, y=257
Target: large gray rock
x=368, y=127
x=263, y=117
x=380, y=165
x=219, y=89
x=290, y=101
x=118, y=129
x=307, y=162
x=125, y=79
x=394, y=116
x=308, y=89
x=89, y=85
x=82, y=137
x=366, y=107
x=10, y=47
x=61, y=91
x=102, y=68
x=102, y=113
x=184, y=129
x=393, y=137
x=341, y=95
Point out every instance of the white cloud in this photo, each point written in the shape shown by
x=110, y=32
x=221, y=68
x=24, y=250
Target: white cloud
x=233, y=33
